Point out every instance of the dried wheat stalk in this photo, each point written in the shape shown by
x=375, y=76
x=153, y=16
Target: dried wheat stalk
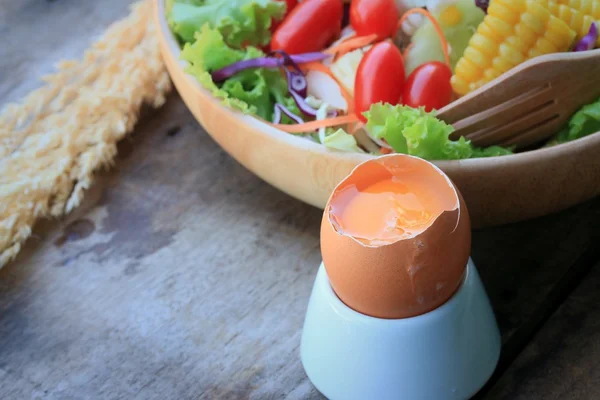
x=52, y=142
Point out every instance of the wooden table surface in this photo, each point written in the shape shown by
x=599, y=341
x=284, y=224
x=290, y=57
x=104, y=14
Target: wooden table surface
x=183, y=276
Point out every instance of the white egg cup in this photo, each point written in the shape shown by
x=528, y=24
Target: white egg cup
x=447, y=353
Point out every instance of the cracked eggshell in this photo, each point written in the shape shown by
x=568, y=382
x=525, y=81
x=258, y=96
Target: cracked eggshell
x=410, y=276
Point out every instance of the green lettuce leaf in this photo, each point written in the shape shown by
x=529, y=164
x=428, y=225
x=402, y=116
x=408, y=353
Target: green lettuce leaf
x=278, y=89
x=252, y=91
x=415, y=132
x=342, y=141
x=251, y=87
x=584, y=122
x=492, y=151
x=241, y=22
x=209, y=51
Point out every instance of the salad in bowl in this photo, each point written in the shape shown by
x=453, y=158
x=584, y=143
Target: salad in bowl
x=368, y=76
x=301, y=92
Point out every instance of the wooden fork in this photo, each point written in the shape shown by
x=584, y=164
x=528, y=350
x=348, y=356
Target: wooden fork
x=529, y=103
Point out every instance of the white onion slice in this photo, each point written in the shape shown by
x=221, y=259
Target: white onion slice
x=325, y=88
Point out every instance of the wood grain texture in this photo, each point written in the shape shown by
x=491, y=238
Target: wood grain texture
x=53, y=30
x=529, y=103
x=193, y=283
x=563, y=360
x=195, y=279
x=498, y=190
x=185, y=276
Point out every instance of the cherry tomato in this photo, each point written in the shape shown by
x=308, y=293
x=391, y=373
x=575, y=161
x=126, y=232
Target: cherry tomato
x=310, y=26
x=374, y=16
x=379, y=78
x=291, y=4
x=428, y=86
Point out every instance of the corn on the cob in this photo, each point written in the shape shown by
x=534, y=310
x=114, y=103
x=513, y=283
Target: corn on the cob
x=512, y=32
x=587, y=7
x=577, y=19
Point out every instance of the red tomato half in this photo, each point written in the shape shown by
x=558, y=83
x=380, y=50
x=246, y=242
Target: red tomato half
x=379, y=78
x=428, y=86
x=290, y=5
x=374, y=16
x=310, y=26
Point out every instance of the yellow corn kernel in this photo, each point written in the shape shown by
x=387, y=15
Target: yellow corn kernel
x=502, y=64
x=466, y=70
x=535, y=24
x=518, y=6
x=518, y=44
x=474, y=86
x=483, y=44
x=490, y=74
x=545, y=46
x=537, y=9
x=460, y=86
x=503, y=12
x=476, y=57
x=512, y=32
x=484, y=30
x=515, y=57
x=525, y=34
x=501, y=28
x=575, y=19
x=559, y=33
x=543, y=3
x=451, y=16
x=534, y=53
x=553, y=7
x=587, y=7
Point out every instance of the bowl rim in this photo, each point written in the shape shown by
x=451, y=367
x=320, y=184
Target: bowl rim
x=524, y=158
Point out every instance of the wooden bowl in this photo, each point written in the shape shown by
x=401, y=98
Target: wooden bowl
x=497, y=190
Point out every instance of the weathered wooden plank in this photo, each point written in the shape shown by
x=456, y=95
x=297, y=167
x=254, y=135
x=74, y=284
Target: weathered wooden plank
x=530, y=268
x=185, y=276
x=196, y=277
x=194, y=281
x=517, y=340
x=38, y=33
x=521, y=263
x=563, y=360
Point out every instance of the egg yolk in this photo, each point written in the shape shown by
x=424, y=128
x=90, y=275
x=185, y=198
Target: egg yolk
x=389, y=209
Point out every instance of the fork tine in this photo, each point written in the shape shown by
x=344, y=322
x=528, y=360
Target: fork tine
x=519, y=106
x=535, y=134
x=488, y=136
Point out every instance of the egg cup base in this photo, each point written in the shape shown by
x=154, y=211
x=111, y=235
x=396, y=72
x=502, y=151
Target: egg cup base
x=447, y=353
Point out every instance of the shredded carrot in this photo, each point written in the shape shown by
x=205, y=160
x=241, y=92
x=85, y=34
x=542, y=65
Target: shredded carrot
x=407, y=49
x=314, y=125
x=385, y=150
x=351, y=44
x=436, y=25
x=317, y=66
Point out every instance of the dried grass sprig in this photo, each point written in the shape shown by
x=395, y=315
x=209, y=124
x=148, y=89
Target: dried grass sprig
x=53, y=141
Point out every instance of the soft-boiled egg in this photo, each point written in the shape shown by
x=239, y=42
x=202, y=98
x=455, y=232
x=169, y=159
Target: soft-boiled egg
x=395, y=237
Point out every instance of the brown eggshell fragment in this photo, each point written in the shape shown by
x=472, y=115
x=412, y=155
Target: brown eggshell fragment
x=407, y=277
